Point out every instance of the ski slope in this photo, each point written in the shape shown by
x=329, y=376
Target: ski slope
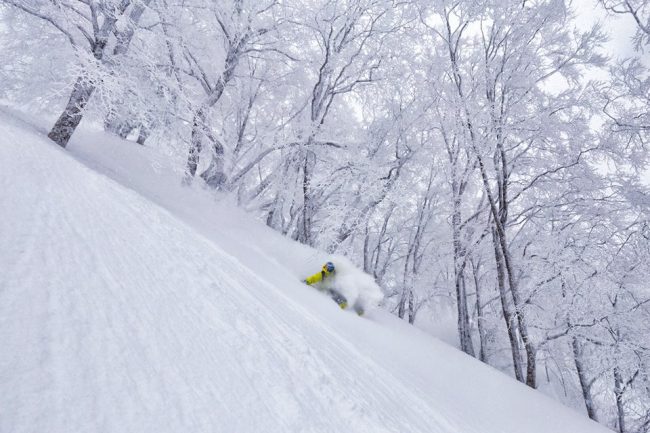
x=131, y=304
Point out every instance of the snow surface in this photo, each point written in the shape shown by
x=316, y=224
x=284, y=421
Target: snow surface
x=131, y=304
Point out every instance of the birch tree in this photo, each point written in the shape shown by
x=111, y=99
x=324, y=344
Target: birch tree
x=241, y=25
x=349, y=36
x=96, y=30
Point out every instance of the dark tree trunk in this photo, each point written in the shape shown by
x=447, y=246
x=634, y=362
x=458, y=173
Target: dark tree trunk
x=305, y=222
x=464, y=333
x=196, y=143
x=511, y=325
x=499, y=217
x=214, y=175
x=68, y=121
x=582, y=377
x=402, y=304
x=73, y=113
x=618, y=393
x=142, y=135
x=531, y=352
x=479, y=316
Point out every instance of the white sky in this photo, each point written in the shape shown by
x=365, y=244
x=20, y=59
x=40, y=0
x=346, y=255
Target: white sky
x=620, y=27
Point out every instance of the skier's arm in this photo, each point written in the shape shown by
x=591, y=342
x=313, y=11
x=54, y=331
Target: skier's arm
x=316, y=278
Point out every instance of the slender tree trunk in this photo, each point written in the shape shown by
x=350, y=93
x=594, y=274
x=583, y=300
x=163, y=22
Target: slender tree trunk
x=411, y=307
x=502, y=182
x=500, y=219
x=502, y=255
x=406, y=284
x=479, y=316
x=143, y=134
x=511, y=325
x=73, y=113
x=402, y=304
x=618, y=393
x=275, y=218
x=196, y=142
x=499, y=236
x=464, y=333
x=531, y=355
x=214, y=176
x=305, y=226
x=582, y=377
x=367, y=259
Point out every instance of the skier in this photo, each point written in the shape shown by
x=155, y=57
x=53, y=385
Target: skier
x=324, y=281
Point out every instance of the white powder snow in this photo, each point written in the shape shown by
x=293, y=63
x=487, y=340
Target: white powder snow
x=130, y=304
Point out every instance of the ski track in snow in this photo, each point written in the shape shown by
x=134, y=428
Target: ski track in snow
x=128, y=333
x=117, y=316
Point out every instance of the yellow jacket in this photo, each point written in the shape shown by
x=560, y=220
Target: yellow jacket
x=319, y=277
x=316, y=278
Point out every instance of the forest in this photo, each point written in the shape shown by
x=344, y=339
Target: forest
x=483, y=158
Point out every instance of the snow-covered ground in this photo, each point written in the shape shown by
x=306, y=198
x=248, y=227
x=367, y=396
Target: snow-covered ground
x=129, y=303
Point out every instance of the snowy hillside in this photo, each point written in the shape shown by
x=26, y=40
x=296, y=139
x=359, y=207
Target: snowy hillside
x=126, y=306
